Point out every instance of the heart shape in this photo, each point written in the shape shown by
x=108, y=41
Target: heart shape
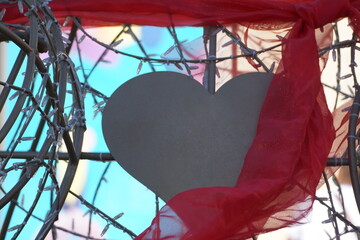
x=169, y=133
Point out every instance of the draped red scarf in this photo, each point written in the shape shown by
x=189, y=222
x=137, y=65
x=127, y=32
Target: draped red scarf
x=283, y=166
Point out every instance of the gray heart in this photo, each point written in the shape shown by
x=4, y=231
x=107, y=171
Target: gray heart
x=169, y=133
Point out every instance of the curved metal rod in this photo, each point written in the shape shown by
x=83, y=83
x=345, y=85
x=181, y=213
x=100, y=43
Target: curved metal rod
x=33, y=42
x=352, y=147
x=10, y=211
x=73, y=147
x=12, y=76
x=26, y=177
x=48, y=173
x=23, y=45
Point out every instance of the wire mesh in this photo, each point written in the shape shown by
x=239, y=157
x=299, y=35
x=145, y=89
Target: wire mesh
x=44, y=95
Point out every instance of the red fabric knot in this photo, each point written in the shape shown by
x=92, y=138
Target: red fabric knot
x=322, y=12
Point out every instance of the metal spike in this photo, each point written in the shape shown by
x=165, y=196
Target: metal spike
x=82, y=38
x=228, y=43
x=27, y=138
x=139, y=67
x=118, y=216
x=15, y=227
x=48, y=25
x=193, y=67
x=2, y=13
x=67, y=20
x=272, y=67
x=114, y=44
x=22, y=200
x=169, y=50
x=178, y=66
x=105, y=230
x=52, y=113
x=345, y=76
x=98, y=104
x=14, y=95
x=280, y=37
x=346, y=109
x=20, y=6
x=50, y=187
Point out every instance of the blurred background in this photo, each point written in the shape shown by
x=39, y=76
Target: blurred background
x=104, y=183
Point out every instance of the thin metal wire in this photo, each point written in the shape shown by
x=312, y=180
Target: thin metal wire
x=59, y=77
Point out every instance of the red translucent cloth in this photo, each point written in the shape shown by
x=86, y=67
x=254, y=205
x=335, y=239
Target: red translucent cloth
x=277, y=184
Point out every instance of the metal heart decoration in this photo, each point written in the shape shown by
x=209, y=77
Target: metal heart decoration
x=168, y=132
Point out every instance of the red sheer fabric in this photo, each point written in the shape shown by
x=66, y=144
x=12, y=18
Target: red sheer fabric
x=258, y=13
x=282, y=169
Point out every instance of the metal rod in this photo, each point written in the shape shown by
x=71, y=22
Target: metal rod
x=105, y=157
x=212, y=64
x=352, y=148
x=352, y=134
x=97, y=156
x=334, y=162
